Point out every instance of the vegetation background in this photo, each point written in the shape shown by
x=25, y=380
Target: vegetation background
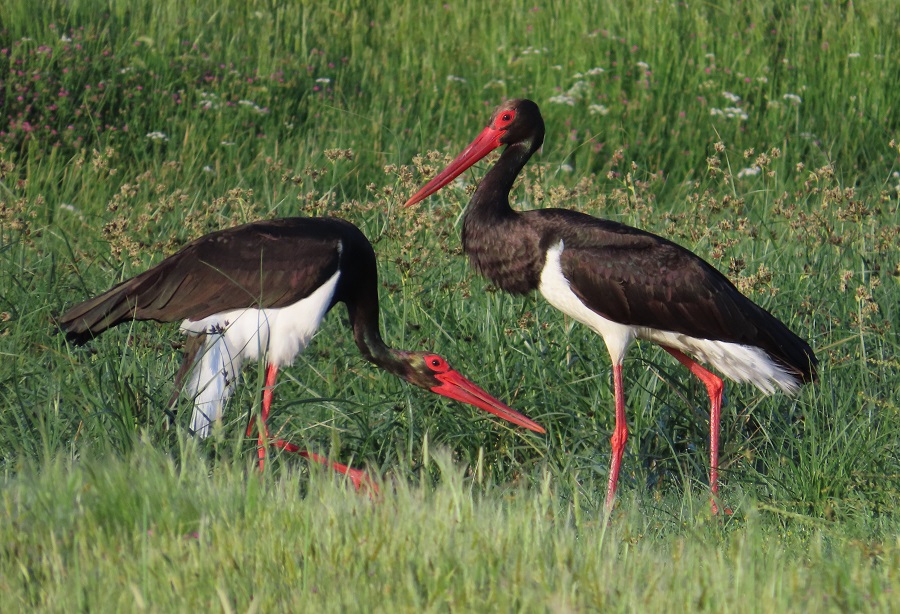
x=761, y=135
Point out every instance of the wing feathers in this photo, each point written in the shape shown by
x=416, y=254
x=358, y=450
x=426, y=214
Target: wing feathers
x=639, y=279
x=265, y=264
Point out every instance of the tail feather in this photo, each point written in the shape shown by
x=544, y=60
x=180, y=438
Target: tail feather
x=215, y=370
x=123, y=302
x=89, y=319
x=792, y=352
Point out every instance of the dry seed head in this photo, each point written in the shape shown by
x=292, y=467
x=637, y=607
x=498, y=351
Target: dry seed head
x=339, y=154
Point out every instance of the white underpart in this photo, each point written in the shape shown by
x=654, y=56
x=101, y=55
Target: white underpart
x=740, y=363
x=278, y=335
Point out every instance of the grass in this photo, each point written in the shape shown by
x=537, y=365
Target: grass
x=152, y=533
x=763, y=137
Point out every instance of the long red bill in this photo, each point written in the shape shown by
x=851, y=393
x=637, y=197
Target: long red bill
x=457, y=387
x=484, y=143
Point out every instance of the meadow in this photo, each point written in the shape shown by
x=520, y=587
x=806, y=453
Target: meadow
x=764, y=136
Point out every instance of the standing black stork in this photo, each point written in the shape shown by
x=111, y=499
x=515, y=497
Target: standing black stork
x=260, y=291
x=621, y=282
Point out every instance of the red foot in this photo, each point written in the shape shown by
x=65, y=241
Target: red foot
x=357, y=476
x=361, y=480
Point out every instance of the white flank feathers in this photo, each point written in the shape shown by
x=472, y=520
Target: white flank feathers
x=740, y=363
x=278, y=335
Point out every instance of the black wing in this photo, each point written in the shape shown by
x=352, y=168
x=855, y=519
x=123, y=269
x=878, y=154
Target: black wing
x=637, y=278
x=264, y=264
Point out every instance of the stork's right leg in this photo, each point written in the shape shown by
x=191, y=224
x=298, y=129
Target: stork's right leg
x=357, y=476
x=714, y=388
x=360, y=478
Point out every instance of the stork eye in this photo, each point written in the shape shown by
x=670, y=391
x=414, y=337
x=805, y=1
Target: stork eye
x=506, y=118
x=436, y=363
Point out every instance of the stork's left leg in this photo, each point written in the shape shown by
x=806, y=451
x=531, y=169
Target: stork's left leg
x=619, y=436
x=714, y=388
x=268, y=393
x=357, y=476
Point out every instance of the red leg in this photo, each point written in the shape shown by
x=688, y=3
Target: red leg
x=268, y=391
x=714, y=387
x=359, y=477
x=619, y=436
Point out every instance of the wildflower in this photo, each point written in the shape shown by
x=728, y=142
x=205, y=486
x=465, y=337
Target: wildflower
x=579, y=90
x=455, y=78
x=750, y=171
x=794, y=98
x=208, y=169
x=563, y=99
x=254, y=106
x=729, y=113
x=595, y=71
x=598, y=109
x=323, y=80
x=731, y=97
x=156, y=135
x=853, y=55
x=495, y=83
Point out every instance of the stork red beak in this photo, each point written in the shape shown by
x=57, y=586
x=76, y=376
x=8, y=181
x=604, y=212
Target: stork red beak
x=484, y=143
x=457, y=387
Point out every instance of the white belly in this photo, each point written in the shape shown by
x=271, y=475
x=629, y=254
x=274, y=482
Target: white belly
x=277, y=335
x=740, y=363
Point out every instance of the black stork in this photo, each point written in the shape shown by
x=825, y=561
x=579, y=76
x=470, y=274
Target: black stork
x=622, y=282
x=261, y=290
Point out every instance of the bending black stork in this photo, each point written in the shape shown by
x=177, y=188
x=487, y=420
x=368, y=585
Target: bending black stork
x=623, y=283
x=260, y=291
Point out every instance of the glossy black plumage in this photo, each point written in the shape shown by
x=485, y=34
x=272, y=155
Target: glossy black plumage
x=269, y=264
x=631, y=277
x=260, y=291
x=622, y=282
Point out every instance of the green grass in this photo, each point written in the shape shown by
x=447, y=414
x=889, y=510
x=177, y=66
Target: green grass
x=150, y=533
x=259, y=105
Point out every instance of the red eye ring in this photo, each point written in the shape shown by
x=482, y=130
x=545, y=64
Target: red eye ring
x=436, y=363
x=505, y=118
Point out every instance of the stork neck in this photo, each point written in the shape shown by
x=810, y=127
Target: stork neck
x=367, y=335
x=492, y=194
